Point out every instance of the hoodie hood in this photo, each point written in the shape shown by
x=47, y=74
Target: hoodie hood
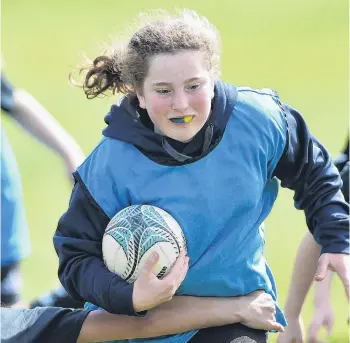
x=125, y=124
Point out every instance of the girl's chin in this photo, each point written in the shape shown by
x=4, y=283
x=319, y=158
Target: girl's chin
x=183, y=138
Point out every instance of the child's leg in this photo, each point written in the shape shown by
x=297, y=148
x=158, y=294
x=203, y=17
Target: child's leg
x=11, y=284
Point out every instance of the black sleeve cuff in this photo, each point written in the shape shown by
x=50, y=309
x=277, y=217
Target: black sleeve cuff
x=339, y=248
x=120, y=296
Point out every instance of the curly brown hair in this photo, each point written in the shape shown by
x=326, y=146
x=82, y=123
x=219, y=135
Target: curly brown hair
x=123, y=69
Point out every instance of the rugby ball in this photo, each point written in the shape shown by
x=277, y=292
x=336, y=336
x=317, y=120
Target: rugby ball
x=134, y=233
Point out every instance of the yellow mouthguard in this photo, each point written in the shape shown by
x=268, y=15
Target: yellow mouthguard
x=187, y=119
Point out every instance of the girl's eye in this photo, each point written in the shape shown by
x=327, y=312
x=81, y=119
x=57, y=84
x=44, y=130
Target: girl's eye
x=193, y=87
x=163, y=91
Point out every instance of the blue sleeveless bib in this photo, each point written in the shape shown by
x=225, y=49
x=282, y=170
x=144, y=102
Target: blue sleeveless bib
x=220, y=201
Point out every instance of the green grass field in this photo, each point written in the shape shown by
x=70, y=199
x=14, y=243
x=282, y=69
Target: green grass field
x=299, y=48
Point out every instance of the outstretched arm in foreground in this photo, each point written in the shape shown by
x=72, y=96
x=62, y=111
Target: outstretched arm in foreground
x=182, y=314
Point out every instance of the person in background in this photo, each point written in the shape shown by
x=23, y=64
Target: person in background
x=20, y=106
x=305, y=269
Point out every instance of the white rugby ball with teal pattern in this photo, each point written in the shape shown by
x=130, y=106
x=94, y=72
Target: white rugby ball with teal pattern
x=134, y=233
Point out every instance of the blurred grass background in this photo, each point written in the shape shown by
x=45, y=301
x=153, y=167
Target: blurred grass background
x=298, y=48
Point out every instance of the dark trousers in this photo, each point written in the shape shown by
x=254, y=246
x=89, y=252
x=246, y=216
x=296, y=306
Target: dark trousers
x=11, y=284
x=234, y=333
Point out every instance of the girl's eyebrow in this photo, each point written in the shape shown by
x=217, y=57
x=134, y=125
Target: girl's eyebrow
x=169, y=83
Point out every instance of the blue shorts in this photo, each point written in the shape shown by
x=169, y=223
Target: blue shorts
x=15, y=243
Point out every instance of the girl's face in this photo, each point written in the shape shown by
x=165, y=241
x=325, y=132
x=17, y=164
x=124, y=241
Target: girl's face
x=178, y=86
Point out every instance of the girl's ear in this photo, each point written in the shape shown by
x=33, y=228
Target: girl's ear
x=213, y=88
x=142, y=102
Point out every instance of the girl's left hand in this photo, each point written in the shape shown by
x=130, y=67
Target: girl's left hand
x=339, y=263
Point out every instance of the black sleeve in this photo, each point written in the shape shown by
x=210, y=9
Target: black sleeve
x=78, y=243
x=41, y=325
x=344, y=173
x=307, y=168
x=346, y=148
